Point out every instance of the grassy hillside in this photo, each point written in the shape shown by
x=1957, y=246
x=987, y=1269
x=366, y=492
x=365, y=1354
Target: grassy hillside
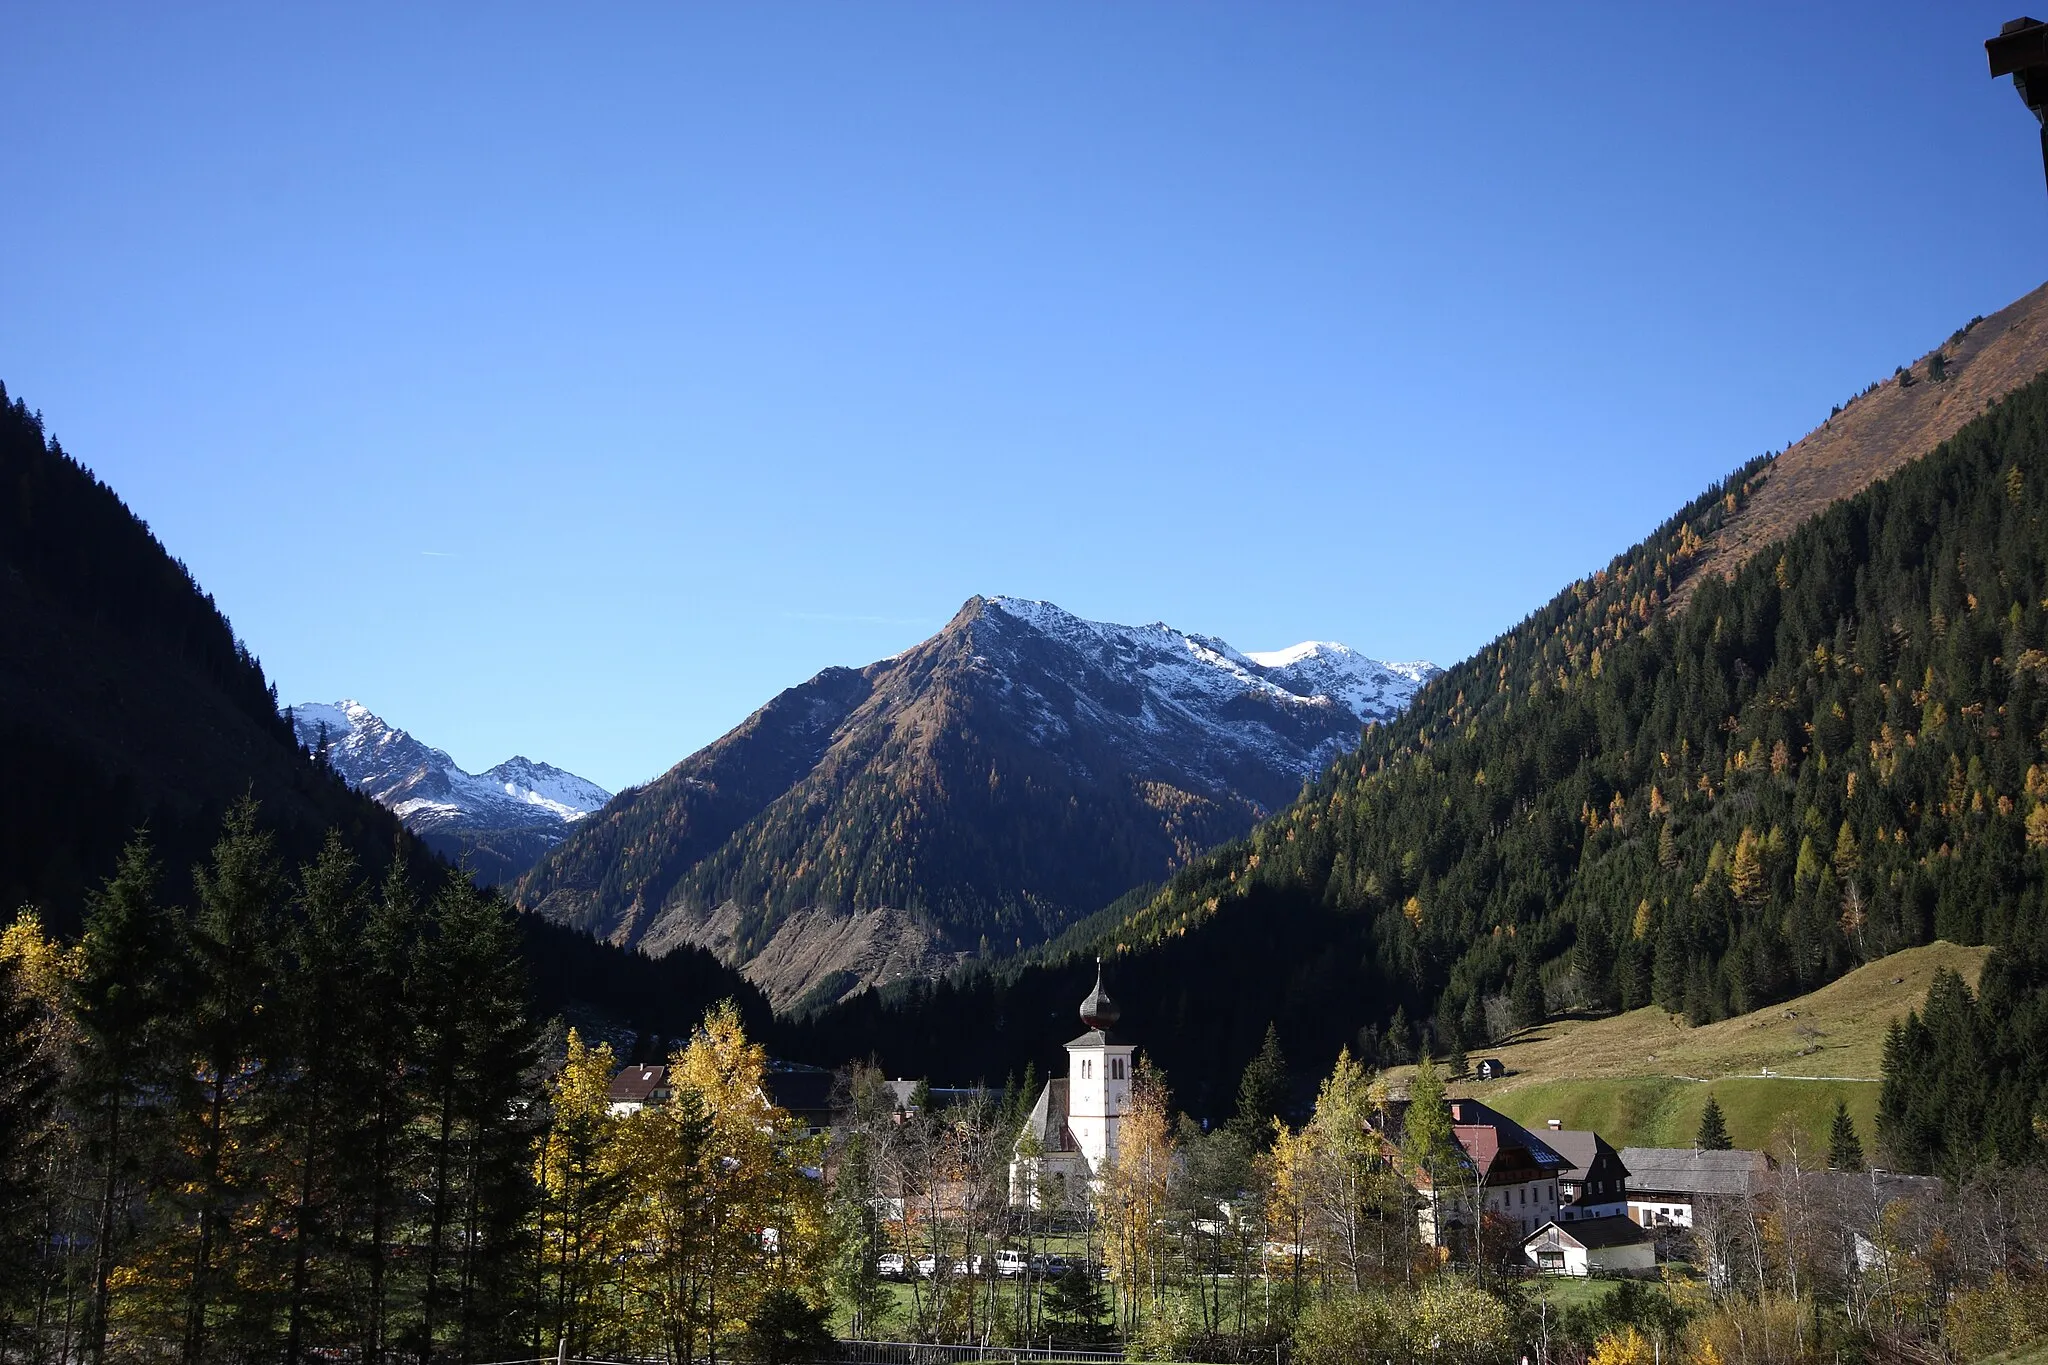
x=1643, y=1077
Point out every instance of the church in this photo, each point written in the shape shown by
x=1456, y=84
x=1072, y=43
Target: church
x=1070, y=1138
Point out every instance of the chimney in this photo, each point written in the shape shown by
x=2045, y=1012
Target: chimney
x=1556, y=1125
x=1457, y=1112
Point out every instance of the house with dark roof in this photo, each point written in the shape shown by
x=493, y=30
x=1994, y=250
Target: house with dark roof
x=1608, y=1245
x=1666, y=1183
x=1511, y=1172
x=640, y=1085
x=1594, y=1181
x=1490, y=1069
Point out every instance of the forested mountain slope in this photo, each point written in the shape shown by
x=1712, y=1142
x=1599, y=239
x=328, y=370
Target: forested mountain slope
x=1879, y=430
x=1832, y=755
x=972, y=795
x=126, y=700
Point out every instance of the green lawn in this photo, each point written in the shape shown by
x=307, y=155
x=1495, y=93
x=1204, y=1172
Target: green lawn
x=2030, y=1355
x=1663, y=1111
x=1641, y=1078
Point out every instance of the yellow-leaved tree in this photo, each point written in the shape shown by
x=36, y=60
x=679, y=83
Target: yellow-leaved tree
x=1133, y=1195
x=581, y=1183
x=729, y=1206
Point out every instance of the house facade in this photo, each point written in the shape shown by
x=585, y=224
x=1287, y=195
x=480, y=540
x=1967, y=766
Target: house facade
x=1594, y=1181
x=1508, y=1174
x=1667, y=1184
x=1070, y=1138
x=1607, y=1245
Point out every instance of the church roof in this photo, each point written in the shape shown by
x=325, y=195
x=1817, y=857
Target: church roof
x=1098, y=1011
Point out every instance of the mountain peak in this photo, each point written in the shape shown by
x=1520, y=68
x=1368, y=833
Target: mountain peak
x=975, y=793
x=500, y=819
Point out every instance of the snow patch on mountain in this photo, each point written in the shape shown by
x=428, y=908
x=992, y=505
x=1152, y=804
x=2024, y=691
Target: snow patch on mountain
x=1153, y=688
x=428, y=790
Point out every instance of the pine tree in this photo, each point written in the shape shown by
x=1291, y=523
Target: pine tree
x=477, y=1048
x=28, y=1095
x=129, y=964
x=1261, y=1092
x=232, y=938
x=1713, y=1131
x=317, y=1098
x=1527, y=997
x=1399, y=1044
x=1845, y=1149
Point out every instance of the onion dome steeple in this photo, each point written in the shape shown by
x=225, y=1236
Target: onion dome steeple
x=1098, y=1011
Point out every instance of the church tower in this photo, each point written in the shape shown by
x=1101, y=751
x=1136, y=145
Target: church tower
x=1098, y=1079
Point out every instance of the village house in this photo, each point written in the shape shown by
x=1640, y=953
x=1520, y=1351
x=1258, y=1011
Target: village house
x=1607, y=1245
x=637, y=1086
x=1593, y=1183
x=1665, y=1184
x=1513, y=1174
x=1070, y=1138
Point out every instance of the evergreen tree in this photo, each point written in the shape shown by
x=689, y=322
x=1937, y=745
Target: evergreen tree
x=1713, y=1130
x=226, y=1030
x=316, y=1099
x=1845, y=1149
x=1399, y=1044
x=28, y=1095
x=1527, y=1000
x=477, y=1046
x=1261, y=1092
x=129, y=969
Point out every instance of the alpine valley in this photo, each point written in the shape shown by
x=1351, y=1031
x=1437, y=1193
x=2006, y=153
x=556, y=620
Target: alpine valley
x=497, y=822
x=968, y=798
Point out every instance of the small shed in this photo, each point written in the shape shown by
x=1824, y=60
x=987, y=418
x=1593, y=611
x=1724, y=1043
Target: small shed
x=1491, y=1069
x=1613, y=1245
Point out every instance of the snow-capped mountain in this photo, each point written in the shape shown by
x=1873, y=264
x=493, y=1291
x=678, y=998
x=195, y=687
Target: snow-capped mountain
x=501, y=819
x=973, y=794
x=1322, y=693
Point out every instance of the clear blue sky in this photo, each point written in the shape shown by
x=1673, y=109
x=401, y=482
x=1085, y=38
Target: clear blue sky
x=567, y=380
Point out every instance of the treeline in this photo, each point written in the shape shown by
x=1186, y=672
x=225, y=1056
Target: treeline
x=306, y=1112
x=295, y=1113
x=1832, y=755
x=69, y=538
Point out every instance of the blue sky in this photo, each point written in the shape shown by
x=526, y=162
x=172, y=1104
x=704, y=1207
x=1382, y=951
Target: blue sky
x=569, y=382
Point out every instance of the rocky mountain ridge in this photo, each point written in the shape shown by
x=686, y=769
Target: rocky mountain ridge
x=970, y=796
x=500, y=820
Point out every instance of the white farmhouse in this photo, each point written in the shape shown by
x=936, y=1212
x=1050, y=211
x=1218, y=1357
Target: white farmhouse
x=1607, y=1245
x=1070, y=1138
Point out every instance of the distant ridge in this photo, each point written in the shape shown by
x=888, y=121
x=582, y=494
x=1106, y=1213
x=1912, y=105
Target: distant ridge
x=968, y=797
x=497, y=822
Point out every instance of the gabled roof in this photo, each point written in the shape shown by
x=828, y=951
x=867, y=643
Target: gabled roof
x=1691, y=1171
x=1580, y=1148
x=1490, y=1138
x=1048, y=1118
x=1592, y=1233
x=636, y=1084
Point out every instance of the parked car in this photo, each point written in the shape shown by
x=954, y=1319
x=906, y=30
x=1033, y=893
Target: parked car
x=1011, y=1263
x=891, y=1265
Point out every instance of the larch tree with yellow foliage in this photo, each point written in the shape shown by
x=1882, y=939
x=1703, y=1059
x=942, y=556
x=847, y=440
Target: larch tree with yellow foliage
x=1134, y=1193
x=730, y=1207
x=581, y=1183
